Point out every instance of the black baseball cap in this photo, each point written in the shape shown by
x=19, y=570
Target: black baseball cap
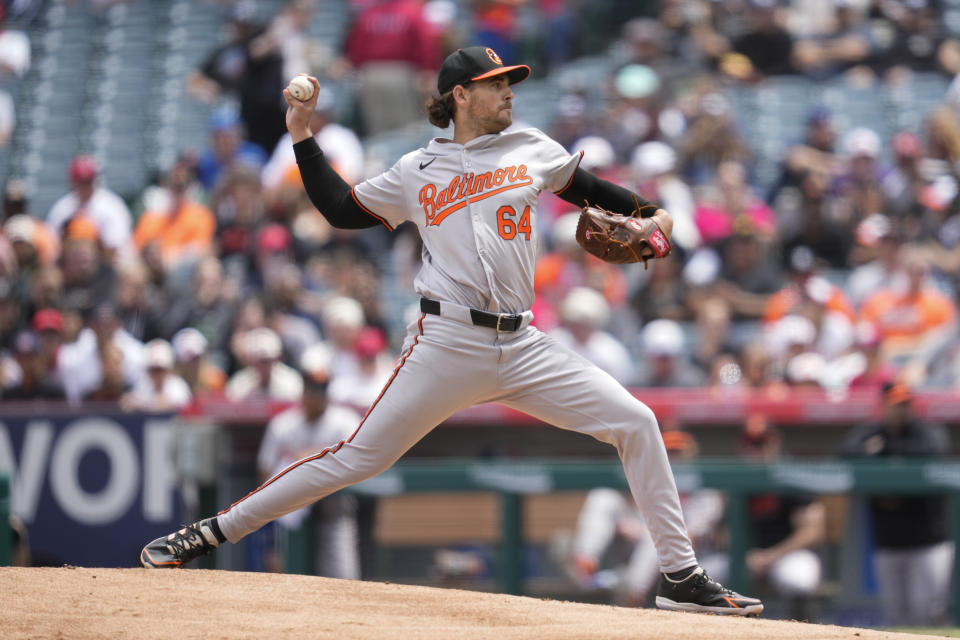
x=476, y=63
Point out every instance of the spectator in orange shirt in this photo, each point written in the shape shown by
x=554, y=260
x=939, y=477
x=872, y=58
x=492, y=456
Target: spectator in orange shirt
x=911, y=322
x=184, y=228
x=806, y=290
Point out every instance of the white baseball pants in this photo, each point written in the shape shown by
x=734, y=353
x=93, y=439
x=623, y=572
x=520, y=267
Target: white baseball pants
x=447, y=366
x=915, y=583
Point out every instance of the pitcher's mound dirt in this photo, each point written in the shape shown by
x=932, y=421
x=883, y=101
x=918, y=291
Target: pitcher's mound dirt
x=136, y=603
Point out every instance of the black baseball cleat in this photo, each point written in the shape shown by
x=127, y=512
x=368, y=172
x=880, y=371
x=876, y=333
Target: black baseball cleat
x=172, y=551
x=698, y=592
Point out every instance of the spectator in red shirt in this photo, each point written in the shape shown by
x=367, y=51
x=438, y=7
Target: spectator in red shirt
x=394, y=49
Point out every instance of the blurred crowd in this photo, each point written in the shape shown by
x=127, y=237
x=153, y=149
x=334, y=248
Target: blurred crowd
x=221, y=278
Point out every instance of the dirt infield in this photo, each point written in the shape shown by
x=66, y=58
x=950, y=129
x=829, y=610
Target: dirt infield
x=136, y=603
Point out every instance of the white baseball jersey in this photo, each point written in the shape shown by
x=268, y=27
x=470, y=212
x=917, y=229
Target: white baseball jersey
x=465, y=219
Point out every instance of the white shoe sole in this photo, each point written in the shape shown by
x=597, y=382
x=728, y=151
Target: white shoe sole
x=670, y=605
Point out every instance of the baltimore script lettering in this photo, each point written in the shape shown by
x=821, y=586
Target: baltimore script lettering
x=469, y=187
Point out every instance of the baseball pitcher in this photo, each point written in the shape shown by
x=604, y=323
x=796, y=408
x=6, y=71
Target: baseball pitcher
x=474, y=200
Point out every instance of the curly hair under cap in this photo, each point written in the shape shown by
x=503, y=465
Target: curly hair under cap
x=440, y=110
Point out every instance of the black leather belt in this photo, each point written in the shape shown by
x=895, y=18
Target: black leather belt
x=502, y=322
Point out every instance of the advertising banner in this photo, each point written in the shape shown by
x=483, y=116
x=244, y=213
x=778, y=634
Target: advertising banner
x=92, y=489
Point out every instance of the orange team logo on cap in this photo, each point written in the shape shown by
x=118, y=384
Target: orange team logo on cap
x=493, y=56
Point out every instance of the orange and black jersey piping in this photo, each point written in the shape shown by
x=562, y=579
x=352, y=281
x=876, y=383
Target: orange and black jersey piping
x=339, y=204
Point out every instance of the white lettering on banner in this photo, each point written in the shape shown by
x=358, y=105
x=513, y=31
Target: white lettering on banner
x=40, y=449
x=27, y=477
x=159, y=479
x=113, y=500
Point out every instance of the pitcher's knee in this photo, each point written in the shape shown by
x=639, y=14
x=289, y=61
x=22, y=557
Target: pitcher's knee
x=639, y=422
x=646, y=418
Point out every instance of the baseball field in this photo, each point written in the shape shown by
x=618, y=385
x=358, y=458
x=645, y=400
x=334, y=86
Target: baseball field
x=135, y=603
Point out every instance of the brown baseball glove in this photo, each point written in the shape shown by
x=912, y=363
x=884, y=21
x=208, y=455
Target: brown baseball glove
x=622, y=239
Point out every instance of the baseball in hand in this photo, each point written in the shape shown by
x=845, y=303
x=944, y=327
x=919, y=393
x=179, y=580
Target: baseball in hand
x=300, y=88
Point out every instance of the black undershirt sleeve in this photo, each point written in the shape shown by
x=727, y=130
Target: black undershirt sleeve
x=327, y=190
x=585, y=188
